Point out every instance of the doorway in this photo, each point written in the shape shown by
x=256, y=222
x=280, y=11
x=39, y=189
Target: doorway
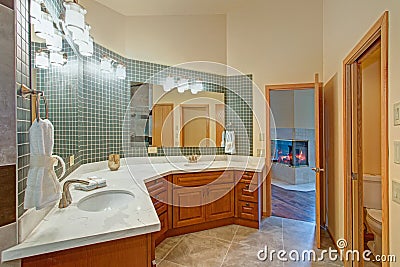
x=295, y=152
x=366, y=150
x=195, y=124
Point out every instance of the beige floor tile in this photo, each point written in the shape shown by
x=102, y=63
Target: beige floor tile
x=165, y=263
x=165, y=247
x=242, y=255
x=271, y=224
x=199, y=251
x=225, y=232
x=255, y=238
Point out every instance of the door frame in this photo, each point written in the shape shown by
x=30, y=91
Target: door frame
x=319, y=196
x=378, y=31
x=182, y=107
x=172, y=121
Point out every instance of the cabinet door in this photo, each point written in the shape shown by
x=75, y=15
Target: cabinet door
x=188, y=207
x=220, y=202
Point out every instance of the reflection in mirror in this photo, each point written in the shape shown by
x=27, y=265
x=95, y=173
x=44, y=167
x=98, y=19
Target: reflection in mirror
x=176, y=119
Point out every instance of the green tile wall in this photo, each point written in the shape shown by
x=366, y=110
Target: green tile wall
x=87, y=107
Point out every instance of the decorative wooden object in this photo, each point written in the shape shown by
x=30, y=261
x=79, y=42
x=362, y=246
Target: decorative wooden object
x=114, y=162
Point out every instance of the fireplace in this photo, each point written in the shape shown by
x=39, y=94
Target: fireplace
x=293, y=153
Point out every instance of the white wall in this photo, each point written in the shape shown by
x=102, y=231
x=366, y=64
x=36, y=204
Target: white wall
x=168, y=40
x=278, y=42
x=345, y=23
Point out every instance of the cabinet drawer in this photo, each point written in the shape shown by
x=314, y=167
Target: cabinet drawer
x=164, y=226
x=160, y=202
x=247, y=177
x=248, y=210
x=157, y=186
x=244, y=194
x=199, y=179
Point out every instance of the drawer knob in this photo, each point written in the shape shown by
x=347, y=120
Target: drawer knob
x=247, y=204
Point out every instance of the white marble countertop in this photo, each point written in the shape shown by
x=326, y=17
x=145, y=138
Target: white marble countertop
x=71, y=227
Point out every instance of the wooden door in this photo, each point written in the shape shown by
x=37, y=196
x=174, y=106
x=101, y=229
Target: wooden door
x=357, y=158
x=163, y=125
x=319, y=206
x=189, y=206
x=195, y=125
x=221, y=199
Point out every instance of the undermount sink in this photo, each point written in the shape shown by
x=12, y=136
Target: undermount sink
x=106, y=201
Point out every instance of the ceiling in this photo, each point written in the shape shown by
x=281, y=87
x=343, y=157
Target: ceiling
x=171, y=7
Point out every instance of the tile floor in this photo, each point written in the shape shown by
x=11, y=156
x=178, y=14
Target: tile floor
x=235, y=245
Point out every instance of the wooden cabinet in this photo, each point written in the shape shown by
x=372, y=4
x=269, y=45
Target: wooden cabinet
x=220, y=202
x=127, y=252
x=247, y=197
x=158, y=191
x=205, y=197
x=188, y=207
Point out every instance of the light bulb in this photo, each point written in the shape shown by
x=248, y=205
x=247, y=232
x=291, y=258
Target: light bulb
x=106, y=64
x=36, y=11
x=44, y=29
x=42, y=60
x=120, y=72
x=74, y=17
x=87, y=49
x=56, y=59
x=55, y=42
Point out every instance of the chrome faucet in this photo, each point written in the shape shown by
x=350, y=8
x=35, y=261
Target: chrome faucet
x=193, y=158
x=66, y=198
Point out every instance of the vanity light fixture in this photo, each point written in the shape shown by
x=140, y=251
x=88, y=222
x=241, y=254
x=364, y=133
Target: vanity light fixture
x=82, y=38
x=74, y=17
x=55, y=42
x=36, y=11
x=44, y=28
x=169, y=83
x=87, y=49
x=106, y=64
x=58, y=59
x=196, y=86
x=120, y=71
x=42, y=59
x=183, y=85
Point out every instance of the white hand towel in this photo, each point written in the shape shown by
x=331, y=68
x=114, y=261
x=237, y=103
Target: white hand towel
x=223, y=139
x=43, y=188
x=230, y=147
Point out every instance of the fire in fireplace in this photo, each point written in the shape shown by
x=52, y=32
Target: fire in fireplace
x=292, y=153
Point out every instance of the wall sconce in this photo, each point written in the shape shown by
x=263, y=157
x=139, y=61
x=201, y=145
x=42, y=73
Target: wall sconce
x=169, y=83
x=106, y=64
x=82, y=38
x=36, y=11
x=55, y=42
x=74, y=17
x=58, y=59
x=183, y=85
x=120, y=71
x=196, y=86
x=87, y=49
x=44, y=28
x=42, y=60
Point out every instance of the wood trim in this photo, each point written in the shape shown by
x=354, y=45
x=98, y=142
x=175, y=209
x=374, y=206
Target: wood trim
x=317, y=159
x=268, y=89
x=171, y=105
x=378, y=30
x=293, y=86
x=333, y=239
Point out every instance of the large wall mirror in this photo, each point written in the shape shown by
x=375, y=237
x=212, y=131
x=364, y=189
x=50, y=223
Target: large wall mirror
x=176, y=118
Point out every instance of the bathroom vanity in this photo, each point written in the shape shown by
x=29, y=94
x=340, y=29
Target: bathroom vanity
x=169, y=199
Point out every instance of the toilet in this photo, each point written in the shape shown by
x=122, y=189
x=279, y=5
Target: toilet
x=373, y=206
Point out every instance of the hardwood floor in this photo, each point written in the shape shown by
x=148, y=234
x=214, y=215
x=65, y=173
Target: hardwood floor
x=293, y=204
